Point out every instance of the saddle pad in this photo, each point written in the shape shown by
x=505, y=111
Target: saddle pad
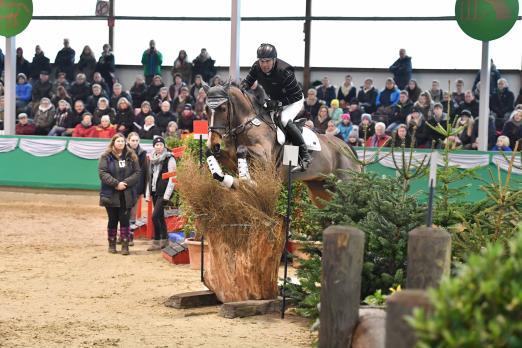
x=310, y=137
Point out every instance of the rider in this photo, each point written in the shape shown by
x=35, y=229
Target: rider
x=278, y=80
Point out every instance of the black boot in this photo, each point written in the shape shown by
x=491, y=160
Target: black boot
x=125, y=247
x=297, y=140
x=112, y=245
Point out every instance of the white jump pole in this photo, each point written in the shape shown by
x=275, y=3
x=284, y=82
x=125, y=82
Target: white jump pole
x=485, y=78
x=235, y=22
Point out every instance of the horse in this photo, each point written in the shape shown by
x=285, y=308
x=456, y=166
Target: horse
x=240, y=122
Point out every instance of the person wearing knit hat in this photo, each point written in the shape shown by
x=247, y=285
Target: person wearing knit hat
x=335, y=111
x=353, y=138
x=345, y=127
x=160, y=190
x=24, y=92
x=366, y=127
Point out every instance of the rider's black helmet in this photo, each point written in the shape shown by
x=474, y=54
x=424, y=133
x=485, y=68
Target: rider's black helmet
x=266, y=51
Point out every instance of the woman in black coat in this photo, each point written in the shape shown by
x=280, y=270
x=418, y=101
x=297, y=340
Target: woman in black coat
x=119, y=173
x=133, y=141
x=105, y=66
x=87, y=63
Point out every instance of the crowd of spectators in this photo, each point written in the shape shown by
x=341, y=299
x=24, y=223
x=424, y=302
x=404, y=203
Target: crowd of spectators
x=85, y=99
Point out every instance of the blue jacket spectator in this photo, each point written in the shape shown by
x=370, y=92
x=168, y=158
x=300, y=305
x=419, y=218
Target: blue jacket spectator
x=345, y=127
x=389, y=96
x=402, y=69
x=23, y=89
x=326, y=92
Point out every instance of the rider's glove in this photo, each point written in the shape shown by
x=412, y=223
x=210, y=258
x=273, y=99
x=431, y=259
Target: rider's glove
x=271, y=104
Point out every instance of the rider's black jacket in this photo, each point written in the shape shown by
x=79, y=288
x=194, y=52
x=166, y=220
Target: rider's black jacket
x=280, y=84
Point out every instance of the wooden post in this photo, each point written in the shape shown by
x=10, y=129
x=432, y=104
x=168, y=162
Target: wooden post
x=343, y=252
x=429, y=257
x=399, y=334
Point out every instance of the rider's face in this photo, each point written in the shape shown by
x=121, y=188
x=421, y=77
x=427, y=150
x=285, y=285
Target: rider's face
x=266, y=65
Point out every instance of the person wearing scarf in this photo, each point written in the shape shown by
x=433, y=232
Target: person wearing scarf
x=44, y=118
x=159, y=190
x=380, y=138
x=149, y=130
x=347, y=91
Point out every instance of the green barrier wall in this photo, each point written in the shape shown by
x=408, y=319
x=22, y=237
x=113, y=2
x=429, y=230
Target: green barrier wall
x=67, y=171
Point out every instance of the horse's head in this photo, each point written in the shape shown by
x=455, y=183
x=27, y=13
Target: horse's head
x=229, y=108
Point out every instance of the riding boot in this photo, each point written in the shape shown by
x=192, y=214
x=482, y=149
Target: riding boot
x=124, y=246
x=131, y=238
x=297, y=140
x=111, y=236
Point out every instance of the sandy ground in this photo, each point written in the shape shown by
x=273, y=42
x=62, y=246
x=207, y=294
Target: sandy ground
x=59, y=287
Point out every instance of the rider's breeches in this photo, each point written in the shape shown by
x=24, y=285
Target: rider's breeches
x=290, y=111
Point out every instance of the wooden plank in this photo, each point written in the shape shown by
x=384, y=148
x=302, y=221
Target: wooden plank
x=343, y=251
x=192, y=299
x=249, y=308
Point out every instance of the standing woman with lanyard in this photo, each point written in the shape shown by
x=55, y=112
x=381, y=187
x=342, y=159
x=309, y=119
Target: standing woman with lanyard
x=133, y=140
x=119, y=172
x=160, y=190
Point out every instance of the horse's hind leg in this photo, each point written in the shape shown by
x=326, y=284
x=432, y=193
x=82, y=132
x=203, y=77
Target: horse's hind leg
x=318, y=193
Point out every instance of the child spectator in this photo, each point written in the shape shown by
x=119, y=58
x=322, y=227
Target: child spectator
x=345, y=127
x=366, y=127
x=335, y=111
x=23, y=92
x=502, y=144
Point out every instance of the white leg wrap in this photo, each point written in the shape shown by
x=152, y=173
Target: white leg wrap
x=228, y=181
x=242, y=167
x=214, y=166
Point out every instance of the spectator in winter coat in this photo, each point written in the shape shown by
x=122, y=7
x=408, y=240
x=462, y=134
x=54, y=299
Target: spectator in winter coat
x=22, y=65
x=79, y=110
x=502, y=144
x=353, y=138
x=494, y=77
x=145, y=111
x=424, y=105
x=80, y=88
x=137, y=92
x=124, y=116
x=85, y=129
x=401, y=137
x=151, y=60
x=23, y=91
x=466, y=136
x=332, y=130
x=42, y=88
x=61, y=94
x=321, y=122
x=368, y=97
x=501, y=102
x=418, y=129
x=437, y=117
x=97, y=78
x=105, y=129
x=183, y=67
x=162, y=96
x=103, y=108
x=149, y=130
x=402, y=69
x=204, y=65
x=23, y=127
x=513, y=129
x=87, y=63
x=186, y=119
x=380, y=138
x=40, y=63
x=345, y=127
x=172, y=131
x=413, y=90
x=386, y=100
x=62, y=119
x=335, y=111
x=198, y=85
x=492, y=132
x=325, y=91
x=182, y=99
x=60, y=81
x=92, y=100
x=164, y=116
x=117, y=93
x=311, y=104
x=519, y=98
x=133, y=141
x=176, y=86
x=44, y=117
x=105, y=66
x=355, y=111
x=347, y=91
x=65, y=60
x=436, y=93
x=469, y=103
x=216, y=80
x=401, y=111
x=153, y=88
x=457, y=97
x=366, y=127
